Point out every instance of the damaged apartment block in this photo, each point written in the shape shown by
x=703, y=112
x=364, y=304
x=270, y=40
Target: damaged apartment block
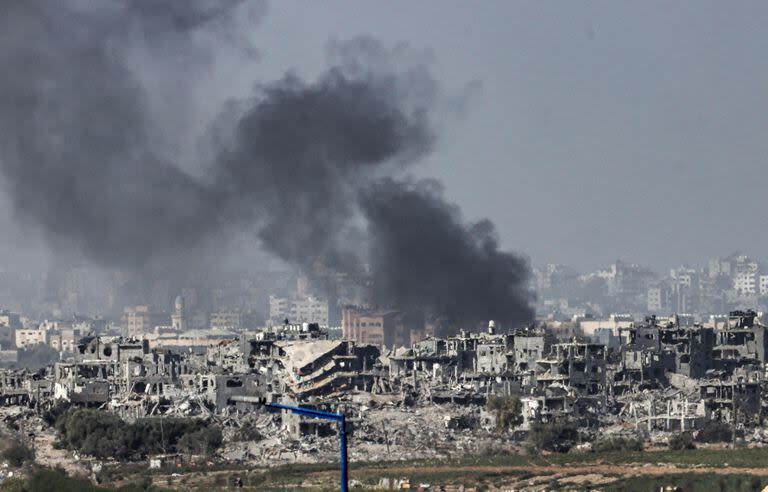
x=423, y=397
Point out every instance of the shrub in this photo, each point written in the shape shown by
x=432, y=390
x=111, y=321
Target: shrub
x=57, y=480
x=716, y=431
x=203, y=441
x=617, y=444
x=45, y=479
x=681, y=441
x=508, y=410
x=54, y=413
x=556, y=436
x=18, y=454
x=105, y=435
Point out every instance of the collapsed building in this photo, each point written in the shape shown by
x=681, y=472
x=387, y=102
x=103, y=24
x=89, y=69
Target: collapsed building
x=661, y=376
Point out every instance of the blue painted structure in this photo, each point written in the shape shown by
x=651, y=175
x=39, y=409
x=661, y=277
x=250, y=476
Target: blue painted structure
x=335, y=417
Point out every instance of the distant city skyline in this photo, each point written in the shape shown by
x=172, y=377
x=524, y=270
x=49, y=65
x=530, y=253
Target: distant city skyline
x=662, y=269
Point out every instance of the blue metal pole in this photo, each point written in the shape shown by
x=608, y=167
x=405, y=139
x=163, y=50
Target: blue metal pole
x=343, y=437
x=336, y=417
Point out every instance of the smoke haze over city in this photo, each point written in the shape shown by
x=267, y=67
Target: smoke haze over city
x=283, y=245
x=317, y=171
x=153, y=104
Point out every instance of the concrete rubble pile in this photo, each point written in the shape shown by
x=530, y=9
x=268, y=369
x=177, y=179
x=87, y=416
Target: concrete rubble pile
x=426, y=400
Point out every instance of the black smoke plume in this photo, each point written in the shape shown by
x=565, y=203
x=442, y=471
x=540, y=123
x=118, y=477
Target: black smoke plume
x=93, y=102
x=425, y=257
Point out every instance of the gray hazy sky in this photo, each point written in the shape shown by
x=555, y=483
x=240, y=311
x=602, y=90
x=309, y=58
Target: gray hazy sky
x=602, y=129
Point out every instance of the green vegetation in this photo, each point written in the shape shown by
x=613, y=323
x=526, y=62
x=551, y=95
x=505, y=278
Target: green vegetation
x=617, y=445
x=508, y=410
x=18, y=454
x=716, y=431
x=104, y=435
x=55, y=411
x=202, y=441
x=704, y=482
x=556, y=436
x=470, y=471
x=682, y=441
x=740, y=458
x=56, y=480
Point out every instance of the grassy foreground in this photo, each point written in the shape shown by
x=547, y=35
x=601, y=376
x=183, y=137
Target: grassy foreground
x=697, y=469
x=733, y=466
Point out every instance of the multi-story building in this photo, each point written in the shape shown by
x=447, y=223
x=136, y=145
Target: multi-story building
x=370, y=327
x=719, y=267
x=307, y=309
x=387, y=328
x=139, y=320
x=580, y=366
x=688, y=277
x=278, y=306
x=626, y=279
x=763, y=284
x=9, y=319
x=558, y=278
x=658, y=298
x=683, y=349
x=85, y=324
x=590, y=325
x=672, y=296
x=29, y=338
x=745, y=283
x=227, y=320
x=64, y=340
x=745, y=275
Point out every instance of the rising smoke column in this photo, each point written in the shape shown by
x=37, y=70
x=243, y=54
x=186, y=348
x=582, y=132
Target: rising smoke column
x=304, y=150
x=425, y=257
x=310, y=167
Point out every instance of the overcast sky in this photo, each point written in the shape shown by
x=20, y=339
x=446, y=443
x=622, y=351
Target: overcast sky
x=602, y=130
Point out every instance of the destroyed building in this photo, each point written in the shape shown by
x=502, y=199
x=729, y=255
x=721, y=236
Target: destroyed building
x=662, y=377
x=742, y=342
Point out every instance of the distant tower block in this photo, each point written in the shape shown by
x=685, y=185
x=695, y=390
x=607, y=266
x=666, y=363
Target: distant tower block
x=178, y=318
x=492, y=327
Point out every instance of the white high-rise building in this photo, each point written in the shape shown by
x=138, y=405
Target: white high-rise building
x=308, y=309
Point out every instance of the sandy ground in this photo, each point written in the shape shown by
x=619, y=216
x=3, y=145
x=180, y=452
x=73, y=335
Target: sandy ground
x=46, y=455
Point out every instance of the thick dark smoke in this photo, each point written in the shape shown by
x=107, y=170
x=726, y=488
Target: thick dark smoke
x=423, y=256
x=92, y=107
x=80, y=149
x=304, y=150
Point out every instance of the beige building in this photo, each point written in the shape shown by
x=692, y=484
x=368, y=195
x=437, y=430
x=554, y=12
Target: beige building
x=64, y=340
x=140, y=320
x=589, y=326
x=386, y=328
x=27, y=338
x=189, y=338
